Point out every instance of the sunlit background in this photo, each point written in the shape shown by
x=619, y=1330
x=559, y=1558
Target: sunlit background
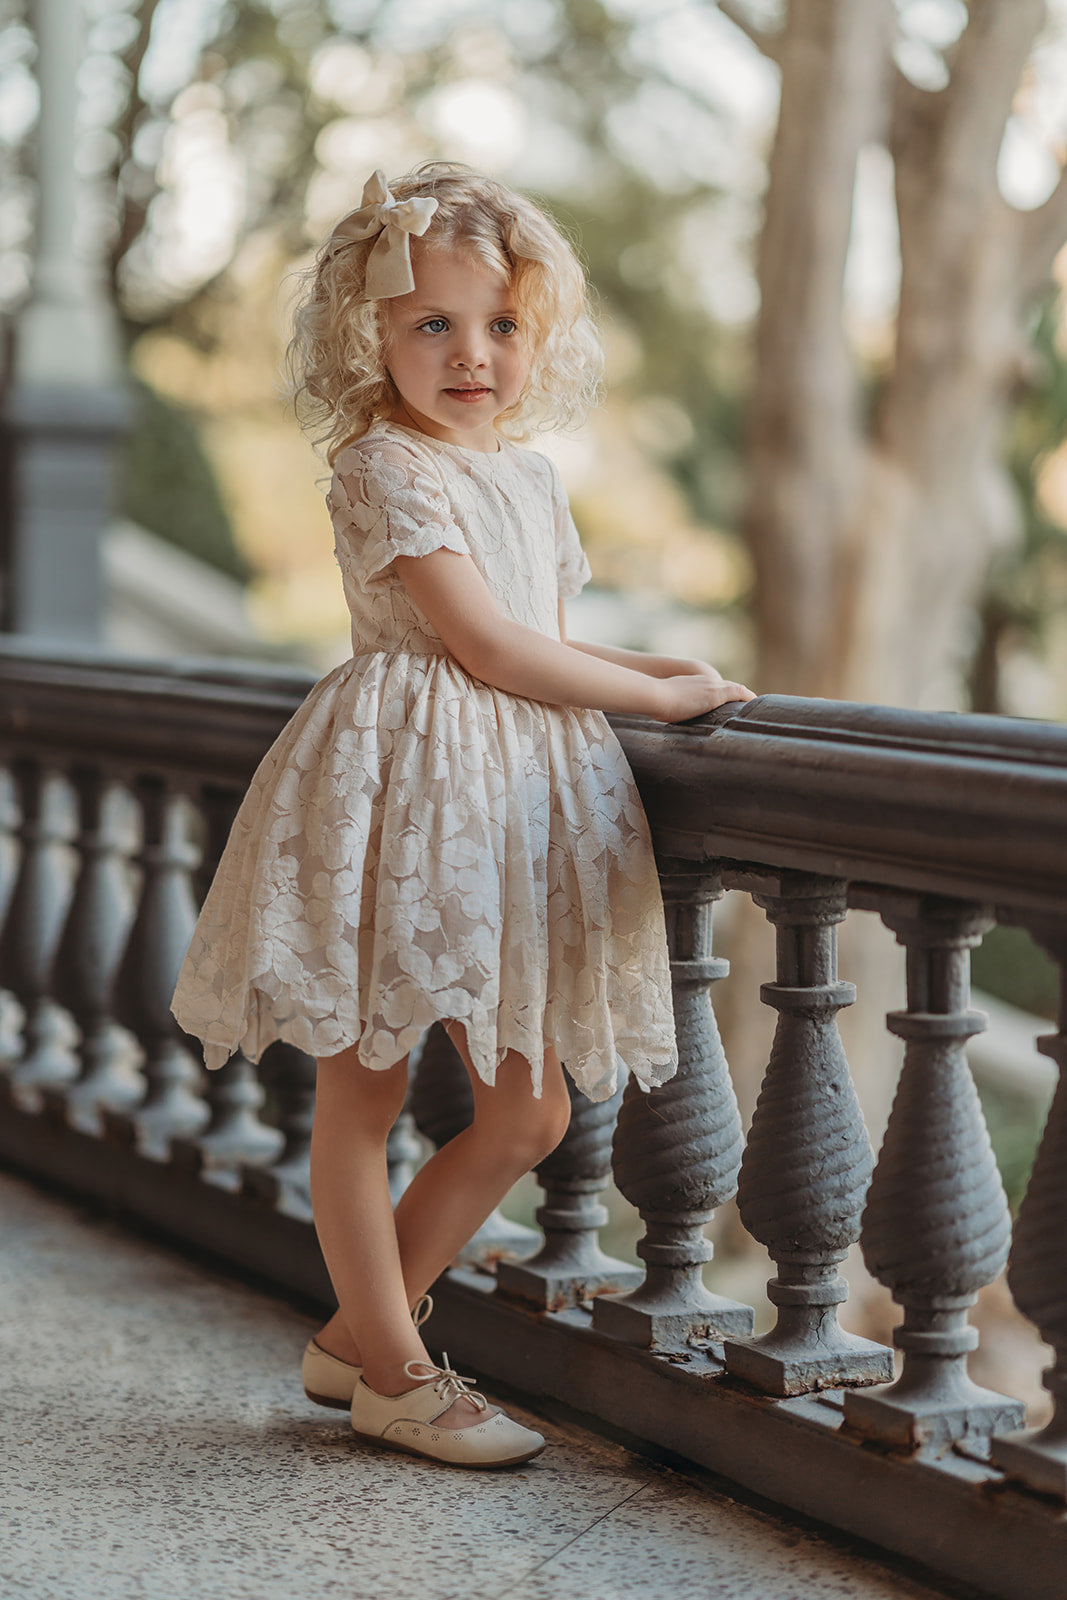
x=219, y=141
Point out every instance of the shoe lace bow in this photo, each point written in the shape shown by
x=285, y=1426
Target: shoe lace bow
x=447, y=1382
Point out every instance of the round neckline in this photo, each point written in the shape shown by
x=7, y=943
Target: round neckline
x=445, y=444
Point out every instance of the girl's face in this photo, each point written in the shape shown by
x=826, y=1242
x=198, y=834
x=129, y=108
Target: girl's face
x=455, y=350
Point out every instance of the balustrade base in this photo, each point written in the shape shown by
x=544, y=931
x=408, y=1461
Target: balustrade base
x=187, y=1156
x=280, y=1189
x=119, y=1127
x=42, y=1073
x=786, y=1366
x=650, y=1328
x=15, y=1098
x=49, y=1060
x=551, y=1285
x=153, y=1130
x=1039, y=1460
x=54, y=1106
x=85, y=1110
x=905, y=1420
x=498, y=1239
x=215, y=1154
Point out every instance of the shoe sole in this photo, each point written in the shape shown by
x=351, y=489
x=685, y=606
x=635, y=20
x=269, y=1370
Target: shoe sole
x=329, y=1400
x=424, y=1455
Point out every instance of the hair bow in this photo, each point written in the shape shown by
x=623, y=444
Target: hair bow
x=389, y=263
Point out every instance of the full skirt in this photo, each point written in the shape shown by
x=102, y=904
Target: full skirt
x=417, y=846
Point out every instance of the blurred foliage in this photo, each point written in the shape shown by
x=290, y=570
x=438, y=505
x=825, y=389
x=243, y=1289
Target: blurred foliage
x=687, y=365
x=1015, y=1124
x=636, y=187
x=1027, y=586
x=1009, y=965
x=167, y=485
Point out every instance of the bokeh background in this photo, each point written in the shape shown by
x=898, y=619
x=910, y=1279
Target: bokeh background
x=218, y=142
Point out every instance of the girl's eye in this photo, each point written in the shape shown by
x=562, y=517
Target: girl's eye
x=505, y=325
x=433, y=325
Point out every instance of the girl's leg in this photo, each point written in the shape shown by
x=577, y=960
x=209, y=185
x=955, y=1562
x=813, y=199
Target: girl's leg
x=354, y=1111
x=450, y=1197
x=380, y=1264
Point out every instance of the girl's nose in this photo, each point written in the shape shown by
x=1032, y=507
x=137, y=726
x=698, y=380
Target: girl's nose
x=469, y=353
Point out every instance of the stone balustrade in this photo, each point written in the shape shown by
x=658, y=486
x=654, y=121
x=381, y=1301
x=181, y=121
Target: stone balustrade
x=118, y=782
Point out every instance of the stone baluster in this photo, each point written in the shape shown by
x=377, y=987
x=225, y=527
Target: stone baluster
x=90, y=949
x=32, y=927
x=158, y=939
x=442, y=1100
x=677, y=1149
x=9, y=863
x=808, y=1159
x=9, y=850
x=234, y=1136
x=443, y=1105
x=1037, y=1266
x=571, y=1266
x=403, y=1150
x=285, y=1184
x=936, y=1226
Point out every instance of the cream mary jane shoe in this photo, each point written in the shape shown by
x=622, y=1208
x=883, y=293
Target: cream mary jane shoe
x=406, y=1422
x=328, y=1380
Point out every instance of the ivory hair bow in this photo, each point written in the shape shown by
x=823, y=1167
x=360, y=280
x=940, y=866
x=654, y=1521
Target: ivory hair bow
x=389, y=263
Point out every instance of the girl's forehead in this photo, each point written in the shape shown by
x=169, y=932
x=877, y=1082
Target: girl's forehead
x=452, y=275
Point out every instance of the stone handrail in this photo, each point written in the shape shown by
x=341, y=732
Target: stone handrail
x=120, y=783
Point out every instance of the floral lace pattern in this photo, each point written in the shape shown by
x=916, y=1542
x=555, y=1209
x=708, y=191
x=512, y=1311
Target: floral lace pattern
x=418, y=846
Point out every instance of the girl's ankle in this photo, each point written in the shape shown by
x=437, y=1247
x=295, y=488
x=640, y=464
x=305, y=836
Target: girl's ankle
x=390, y=1380
x=338, y=1345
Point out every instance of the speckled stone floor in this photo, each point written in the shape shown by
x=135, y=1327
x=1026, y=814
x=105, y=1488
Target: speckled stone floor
x=156, y=1445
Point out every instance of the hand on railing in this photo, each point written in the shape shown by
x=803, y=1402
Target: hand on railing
x=692, y=694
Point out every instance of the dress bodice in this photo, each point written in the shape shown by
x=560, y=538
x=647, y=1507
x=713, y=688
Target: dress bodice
x=398, y=492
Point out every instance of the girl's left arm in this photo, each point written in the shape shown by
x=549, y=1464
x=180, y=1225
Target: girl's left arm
x=640, y=660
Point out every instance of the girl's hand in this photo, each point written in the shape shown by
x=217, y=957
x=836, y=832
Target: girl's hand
x=694, y=693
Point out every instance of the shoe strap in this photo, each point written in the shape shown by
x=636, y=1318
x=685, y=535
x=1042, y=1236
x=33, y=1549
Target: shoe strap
x=421, y=1310
x=446, y=1382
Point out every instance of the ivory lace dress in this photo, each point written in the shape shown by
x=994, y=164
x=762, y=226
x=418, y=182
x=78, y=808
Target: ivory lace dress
x=419, y=846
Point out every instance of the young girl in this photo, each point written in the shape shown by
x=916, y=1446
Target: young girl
x=447, y=829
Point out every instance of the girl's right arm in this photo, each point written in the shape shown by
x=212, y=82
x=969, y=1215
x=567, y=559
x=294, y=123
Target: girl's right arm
x=452, y=594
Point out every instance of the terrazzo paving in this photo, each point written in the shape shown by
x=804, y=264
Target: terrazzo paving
x=156, y=1445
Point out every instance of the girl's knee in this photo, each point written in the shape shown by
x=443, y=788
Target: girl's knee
x=554, y=1116
x=526, y=1127
x=540, y=1133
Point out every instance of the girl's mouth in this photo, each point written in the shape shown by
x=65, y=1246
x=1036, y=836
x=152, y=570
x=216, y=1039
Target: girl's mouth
x=468, y=394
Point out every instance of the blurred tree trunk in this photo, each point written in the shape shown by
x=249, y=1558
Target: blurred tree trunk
x=871, y=537
x=871, y=541
x=804, y=438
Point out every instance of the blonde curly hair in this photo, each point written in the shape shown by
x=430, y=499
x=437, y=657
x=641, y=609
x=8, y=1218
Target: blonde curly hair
x=337, y=355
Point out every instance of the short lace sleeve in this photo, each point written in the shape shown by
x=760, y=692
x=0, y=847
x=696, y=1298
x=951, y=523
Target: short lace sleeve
x=387, y=503
x=571, y=564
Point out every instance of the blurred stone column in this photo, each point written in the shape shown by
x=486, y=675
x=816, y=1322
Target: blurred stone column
x=67, y=405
